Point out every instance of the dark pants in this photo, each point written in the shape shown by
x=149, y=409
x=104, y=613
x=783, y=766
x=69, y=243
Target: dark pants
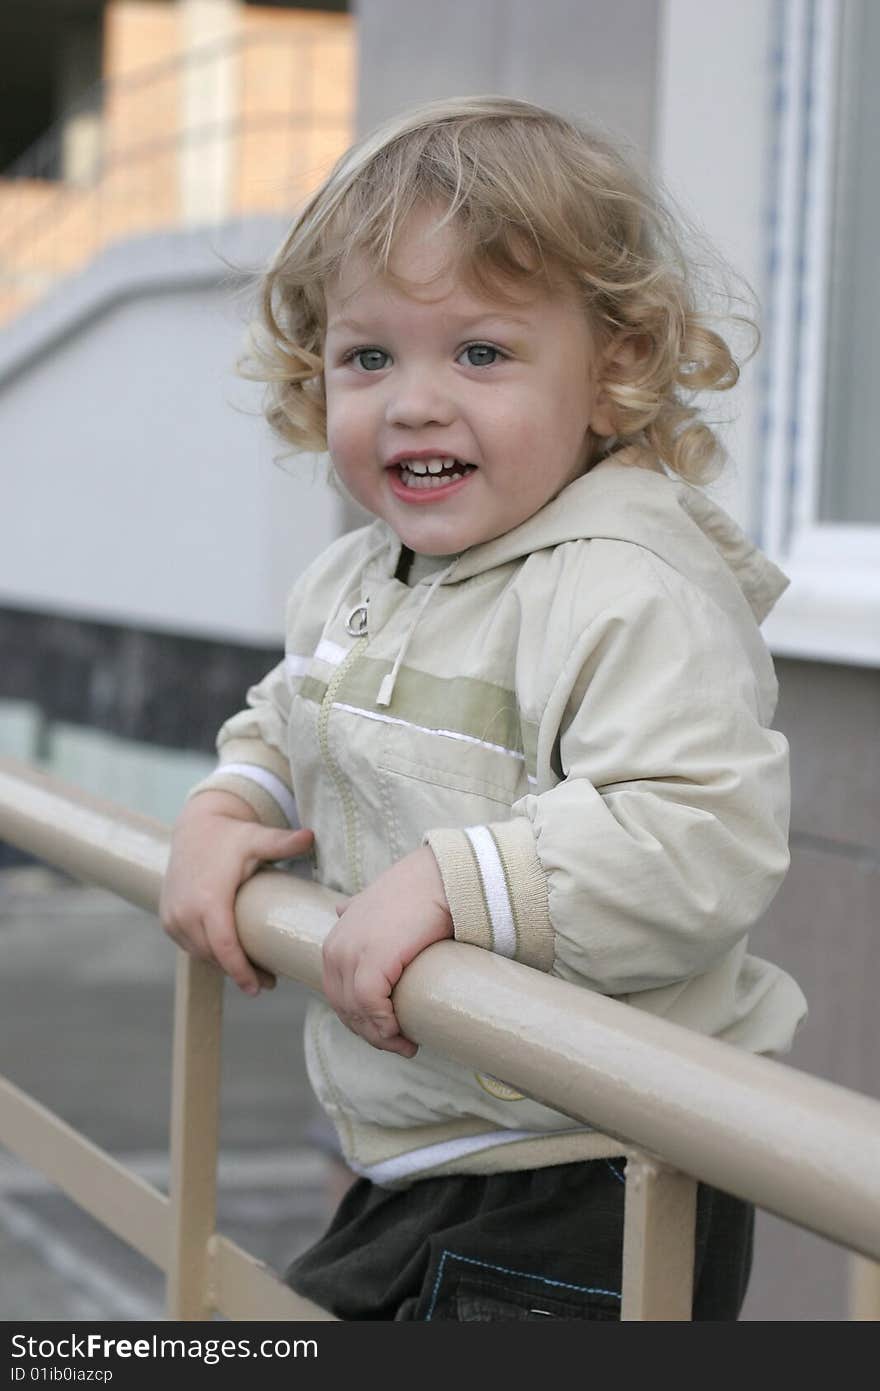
x=532, y=1244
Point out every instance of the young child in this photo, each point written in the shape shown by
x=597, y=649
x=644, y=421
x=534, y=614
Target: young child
x=528, y=707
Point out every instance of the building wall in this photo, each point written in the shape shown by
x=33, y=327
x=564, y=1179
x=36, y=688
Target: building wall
x=822, y=927
x=155, y=530
x=138, y=465
x=596, y=61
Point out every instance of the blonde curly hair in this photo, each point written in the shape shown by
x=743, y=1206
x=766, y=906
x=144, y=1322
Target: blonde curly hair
x=530, y=194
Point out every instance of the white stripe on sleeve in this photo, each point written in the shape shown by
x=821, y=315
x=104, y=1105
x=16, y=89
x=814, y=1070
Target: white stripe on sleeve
x=270, y=783
x=495, y=888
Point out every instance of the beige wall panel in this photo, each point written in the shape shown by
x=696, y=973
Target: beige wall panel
x=297, y=85
x=831, y=716
x=138, y=190
x=594, y=60
x=42, y=233
x=822, y=927
x=138, y=33
x=795, y=1275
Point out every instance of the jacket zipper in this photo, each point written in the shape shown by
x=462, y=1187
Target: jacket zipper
x=352, y=854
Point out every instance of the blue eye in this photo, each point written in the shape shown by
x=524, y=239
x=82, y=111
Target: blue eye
x=476, y=354
x=366, y=358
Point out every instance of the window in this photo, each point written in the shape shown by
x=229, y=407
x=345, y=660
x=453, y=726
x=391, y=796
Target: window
x=50, y=61
x=850, y=479
x=820, y=405
x=766, y=131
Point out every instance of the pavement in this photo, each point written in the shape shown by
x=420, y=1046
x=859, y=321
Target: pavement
x=86, y=1009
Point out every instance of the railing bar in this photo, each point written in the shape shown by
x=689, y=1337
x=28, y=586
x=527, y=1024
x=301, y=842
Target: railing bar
x=120, y=1200
x=195, y=1124
x=658, y=1242
x=245, y=1288
x=90, y=838
x=798, y=1146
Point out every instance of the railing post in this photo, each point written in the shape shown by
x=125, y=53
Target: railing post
x=658, y=1241
x=864, y=1289
x=195, y=1120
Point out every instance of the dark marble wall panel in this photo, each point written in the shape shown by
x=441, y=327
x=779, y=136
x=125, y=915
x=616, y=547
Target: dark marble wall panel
x=149, y=686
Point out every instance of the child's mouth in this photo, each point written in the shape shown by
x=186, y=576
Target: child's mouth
x=431, y=475
x=428, y=480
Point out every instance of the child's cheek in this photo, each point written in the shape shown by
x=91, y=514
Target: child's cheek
x=339, y=441
x=353, y=451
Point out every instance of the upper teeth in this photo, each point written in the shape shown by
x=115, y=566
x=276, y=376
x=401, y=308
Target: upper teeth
x=427, y=465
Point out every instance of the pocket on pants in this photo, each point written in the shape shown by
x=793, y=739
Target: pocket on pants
x=468, y=1291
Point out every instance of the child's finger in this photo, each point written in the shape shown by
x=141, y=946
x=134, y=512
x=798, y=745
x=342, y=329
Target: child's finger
x=228, y=953
x=269, y=844
x=399, y=1044
x=386, y=1035
x=377, y=1026
x=365, y=997
x=367, y=1001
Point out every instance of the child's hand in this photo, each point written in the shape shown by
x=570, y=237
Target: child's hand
x=378, y=933
x=217, y=844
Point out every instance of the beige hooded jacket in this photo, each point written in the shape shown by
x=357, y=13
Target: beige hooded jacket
x=575, y=716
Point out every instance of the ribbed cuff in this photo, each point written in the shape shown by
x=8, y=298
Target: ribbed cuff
x=259, y=775
x=496, y=889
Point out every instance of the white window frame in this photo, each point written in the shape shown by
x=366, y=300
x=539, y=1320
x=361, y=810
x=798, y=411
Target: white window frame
x=831, y=611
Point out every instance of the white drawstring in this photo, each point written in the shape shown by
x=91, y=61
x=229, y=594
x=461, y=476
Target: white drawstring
x=386, y=690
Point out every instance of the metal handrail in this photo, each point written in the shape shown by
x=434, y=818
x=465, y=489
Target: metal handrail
x=798, y=1146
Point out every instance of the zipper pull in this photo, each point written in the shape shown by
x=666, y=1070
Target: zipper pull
x=356, y=623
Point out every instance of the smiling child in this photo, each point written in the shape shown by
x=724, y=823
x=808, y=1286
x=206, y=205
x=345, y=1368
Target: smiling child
x=527, y=707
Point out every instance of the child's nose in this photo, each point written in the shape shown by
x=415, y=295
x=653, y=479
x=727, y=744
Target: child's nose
x=418, y=400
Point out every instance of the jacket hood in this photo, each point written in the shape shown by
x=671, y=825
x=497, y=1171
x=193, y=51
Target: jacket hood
x=628, y=497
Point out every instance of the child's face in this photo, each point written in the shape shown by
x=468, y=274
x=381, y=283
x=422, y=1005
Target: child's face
x=509, y=390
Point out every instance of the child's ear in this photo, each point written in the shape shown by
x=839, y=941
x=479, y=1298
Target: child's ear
x=621, y=356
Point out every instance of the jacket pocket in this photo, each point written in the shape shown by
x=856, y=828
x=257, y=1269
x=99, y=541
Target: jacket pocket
x=446, y=761
x=427, y=785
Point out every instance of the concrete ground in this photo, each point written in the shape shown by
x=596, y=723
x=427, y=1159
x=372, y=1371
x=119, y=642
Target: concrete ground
x=86, y=987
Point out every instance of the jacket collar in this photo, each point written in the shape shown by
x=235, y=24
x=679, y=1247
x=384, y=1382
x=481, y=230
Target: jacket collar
x=629, y=497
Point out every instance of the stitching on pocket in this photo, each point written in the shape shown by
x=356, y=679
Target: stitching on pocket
x=506, y=1270
x=455, y=779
